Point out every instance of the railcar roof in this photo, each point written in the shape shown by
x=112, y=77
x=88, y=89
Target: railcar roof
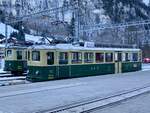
x=2, y=46
x=16, y=47
x=75, y=47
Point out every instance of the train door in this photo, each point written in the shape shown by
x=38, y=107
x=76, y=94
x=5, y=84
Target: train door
x=50, y=61
x=63, y=69
x=50, y=58
x=118, y=62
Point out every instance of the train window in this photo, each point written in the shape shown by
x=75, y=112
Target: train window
x=35, y=55
x=99, y=57
x=63, y=58
x=88, y=57
x=19, y=55
x=140, y=56
x=135, y=56
x=76, y=57
x=123, y=57
x=25, y=54
x=119, y=57
x=130, y=57
x=29, y=55
x=109, y=57
x=127, y=57
x=9, y=53
x=5, y=53
x=50, y=58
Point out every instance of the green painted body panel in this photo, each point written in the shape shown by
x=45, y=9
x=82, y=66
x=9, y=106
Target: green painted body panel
x=69, y=71
x=37, y=74
x=63, y=72
x=91, y=70
x=131, y=66
x=15, y=66
x=41, y=73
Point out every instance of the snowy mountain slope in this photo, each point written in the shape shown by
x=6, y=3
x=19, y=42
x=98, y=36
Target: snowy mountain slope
x=2, y=29
x=10, y=30
x=146, y=1
x=91, y=11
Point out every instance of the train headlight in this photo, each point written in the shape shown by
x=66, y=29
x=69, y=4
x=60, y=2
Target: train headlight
x=9, y=64
x=37, y=72
x=27, y=71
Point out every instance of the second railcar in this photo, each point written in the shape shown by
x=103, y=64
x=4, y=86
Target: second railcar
x=16, y=60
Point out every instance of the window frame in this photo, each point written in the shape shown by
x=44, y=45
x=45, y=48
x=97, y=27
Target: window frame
x=101, y=58
x=88, y=57
x=65, y=58
x=112, y=57
x=18, y=55
x=10, y=54
x=29, y=55
x=135, y=59
x=52, y=60
x=38, y=58
x=76, y=57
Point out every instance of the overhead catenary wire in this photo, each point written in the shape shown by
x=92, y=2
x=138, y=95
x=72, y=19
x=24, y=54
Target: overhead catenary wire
x=85, y=28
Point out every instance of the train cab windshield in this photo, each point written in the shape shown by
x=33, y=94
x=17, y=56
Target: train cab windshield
x=9, y=53
x=135, y=56
x=19, y=55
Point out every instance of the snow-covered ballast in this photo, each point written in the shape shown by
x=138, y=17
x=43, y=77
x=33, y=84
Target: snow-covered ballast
x=61, y=61
x=16, y=59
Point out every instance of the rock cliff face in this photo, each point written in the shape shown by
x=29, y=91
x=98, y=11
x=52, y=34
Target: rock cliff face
x=91, y=12
x=117, y=10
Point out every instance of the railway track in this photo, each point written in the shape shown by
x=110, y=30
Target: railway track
x=2, y=75
x=9, y=79
x=93, y=103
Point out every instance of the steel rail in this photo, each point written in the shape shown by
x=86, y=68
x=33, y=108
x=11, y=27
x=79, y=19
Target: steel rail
x=12, y=78
x=84, y=106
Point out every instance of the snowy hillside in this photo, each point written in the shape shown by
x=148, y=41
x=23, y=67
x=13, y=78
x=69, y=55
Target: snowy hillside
x=1, y=65
x=10, y=30
x=62, y=22
x=146, y=1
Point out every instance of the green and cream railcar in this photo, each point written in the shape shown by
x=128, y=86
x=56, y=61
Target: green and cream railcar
x=68, y=61
x=16, y=60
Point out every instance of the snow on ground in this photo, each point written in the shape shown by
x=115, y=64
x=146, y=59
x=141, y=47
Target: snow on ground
x=2, y=66
x=138, y=104
x=63, y=92
x=146, y=67
x=11, y=78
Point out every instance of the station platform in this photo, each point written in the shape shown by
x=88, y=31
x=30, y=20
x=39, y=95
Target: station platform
x=35, y=97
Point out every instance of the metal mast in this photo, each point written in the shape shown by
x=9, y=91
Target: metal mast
x=77, y=21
